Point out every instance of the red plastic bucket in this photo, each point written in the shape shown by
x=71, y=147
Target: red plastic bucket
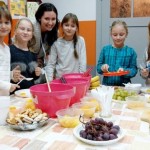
x=80, y=88
x=50, y=102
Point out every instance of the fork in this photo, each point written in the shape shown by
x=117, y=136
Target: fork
x=28, y=79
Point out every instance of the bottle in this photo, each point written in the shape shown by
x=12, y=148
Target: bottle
x=29, y=104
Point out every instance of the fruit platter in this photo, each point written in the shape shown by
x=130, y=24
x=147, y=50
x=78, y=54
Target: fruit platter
x=118, y=73
x=98, y=132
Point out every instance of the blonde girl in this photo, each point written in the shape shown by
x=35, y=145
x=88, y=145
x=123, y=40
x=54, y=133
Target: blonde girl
x=21, y=55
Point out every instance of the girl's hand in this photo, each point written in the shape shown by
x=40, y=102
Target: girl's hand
x=144, y=72
x=17, y=74
x=38, y=71
x=120, y=69
x=13, y=87
x=105, y=68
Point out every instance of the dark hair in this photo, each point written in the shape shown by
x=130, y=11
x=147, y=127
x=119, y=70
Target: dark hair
x=149, y=42
x=74, y=19
x=53, y=34
x=33, y=40
x=4, y=12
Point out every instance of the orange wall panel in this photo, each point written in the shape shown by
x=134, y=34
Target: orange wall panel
x=88, y=31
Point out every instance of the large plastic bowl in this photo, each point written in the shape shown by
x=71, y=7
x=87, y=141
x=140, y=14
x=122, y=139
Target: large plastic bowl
x=50, y=102
x=80, y=88
x=78, y=75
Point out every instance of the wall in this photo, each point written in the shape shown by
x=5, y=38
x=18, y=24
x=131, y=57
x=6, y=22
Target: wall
x=86, y=13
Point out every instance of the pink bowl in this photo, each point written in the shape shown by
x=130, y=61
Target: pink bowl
x=50, y=102
x=80, y=88
x=78, y=75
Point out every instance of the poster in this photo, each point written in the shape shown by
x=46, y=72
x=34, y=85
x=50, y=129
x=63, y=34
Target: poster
x=17, y=8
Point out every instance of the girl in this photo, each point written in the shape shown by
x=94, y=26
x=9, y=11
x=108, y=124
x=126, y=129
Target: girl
x=145, y=72
x=45, y=31
x=68, y=53
x=5, y=27
x=117, y=57
x=21, y=56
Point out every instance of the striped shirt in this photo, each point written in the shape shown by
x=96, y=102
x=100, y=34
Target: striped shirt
x=118, y=58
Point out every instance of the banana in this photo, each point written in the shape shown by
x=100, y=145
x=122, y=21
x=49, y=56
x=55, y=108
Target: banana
x=94, y=79
x=95, y=84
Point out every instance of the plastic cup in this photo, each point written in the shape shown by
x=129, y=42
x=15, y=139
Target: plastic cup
x=4, y=108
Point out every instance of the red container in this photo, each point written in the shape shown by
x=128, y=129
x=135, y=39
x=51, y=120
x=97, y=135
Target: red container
x=50, y=102
x=80, y=88
x=78, y=75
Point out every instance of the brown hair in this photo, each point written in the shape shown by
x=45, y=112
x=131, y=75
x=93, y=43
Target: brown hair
x=121, y=23
x=74, y=19
x=4, y=13
x=33, y=40
x=148, y=50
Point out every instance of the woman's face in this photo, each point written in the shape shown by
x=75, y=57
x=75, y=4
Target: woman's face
x=24, y=31
x=118, y=35
x=48, y=21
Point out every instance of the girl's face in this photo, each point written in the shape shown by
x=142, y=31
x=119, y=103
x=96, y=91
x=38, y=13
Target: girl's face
x=24, y=31
x=118, y=35
x=5, y=27
x=48, y=21
x=69, y=29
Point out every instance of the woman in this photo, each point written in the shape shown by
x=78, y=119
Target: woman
x=45, y=31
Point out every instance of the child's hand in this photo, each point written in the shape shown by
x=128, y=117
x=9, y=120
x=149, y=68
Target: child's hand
x=105, y=68
x=17, y=74
x=38, y=71
x=120, y=69
x=144, y=72
x=13, y=87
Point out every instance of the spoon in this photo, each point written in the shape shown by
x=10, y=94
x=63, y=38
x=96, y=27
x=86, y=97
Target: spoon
x=28, y=79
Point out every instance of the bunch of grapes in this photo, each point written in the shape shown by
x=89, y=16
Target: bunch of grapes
x=99, y=130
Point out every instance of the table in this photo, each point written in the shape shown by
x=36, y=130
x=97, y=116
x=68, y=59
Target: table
x=54, y=137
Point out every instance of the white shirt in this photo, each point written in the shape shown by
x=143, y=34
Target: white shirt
x=4, y=70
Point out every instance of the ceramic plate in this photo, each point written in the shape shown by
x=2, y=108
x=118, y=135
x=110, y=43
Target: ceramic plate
x=24, y=93
x=77, y=130
x=120, y=73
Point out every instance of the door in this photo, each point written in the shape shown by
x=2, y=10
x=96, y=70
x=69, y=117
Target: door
x=137, y=26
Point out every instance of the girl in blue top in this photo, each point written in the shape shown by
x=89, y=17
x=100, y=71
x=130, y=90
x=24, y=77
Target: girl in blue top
x=117, y=57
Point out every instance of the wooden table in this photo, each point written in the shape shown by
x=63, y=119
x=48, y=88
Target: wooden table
x=54, y=137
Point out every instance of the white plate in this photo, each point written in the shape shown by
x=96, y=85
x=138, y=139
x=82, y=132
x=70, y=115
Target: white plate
x=24, y=93
x=144, y=90
x=119, y=101
x=77, y=130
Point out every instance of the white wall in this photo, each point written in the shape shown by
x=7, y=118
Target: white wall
x=84, y=9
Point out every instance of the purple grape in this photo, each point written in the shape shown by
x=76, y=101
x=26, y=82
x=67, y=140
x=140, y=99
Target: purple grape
x=112, y=136
x=99, y=138
x=83, y=134
x=116, y=127
x=109, y=124
x=89, y=137
x=113, y=131
x=105, y=136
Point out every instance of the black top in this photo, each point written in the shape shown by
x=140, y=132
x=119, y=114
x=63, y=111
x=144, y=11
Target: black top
x=27, y=62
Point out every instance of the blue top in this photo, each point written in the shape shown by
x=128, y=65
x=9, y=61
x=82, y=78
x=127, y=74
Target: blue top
x=116, y=58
